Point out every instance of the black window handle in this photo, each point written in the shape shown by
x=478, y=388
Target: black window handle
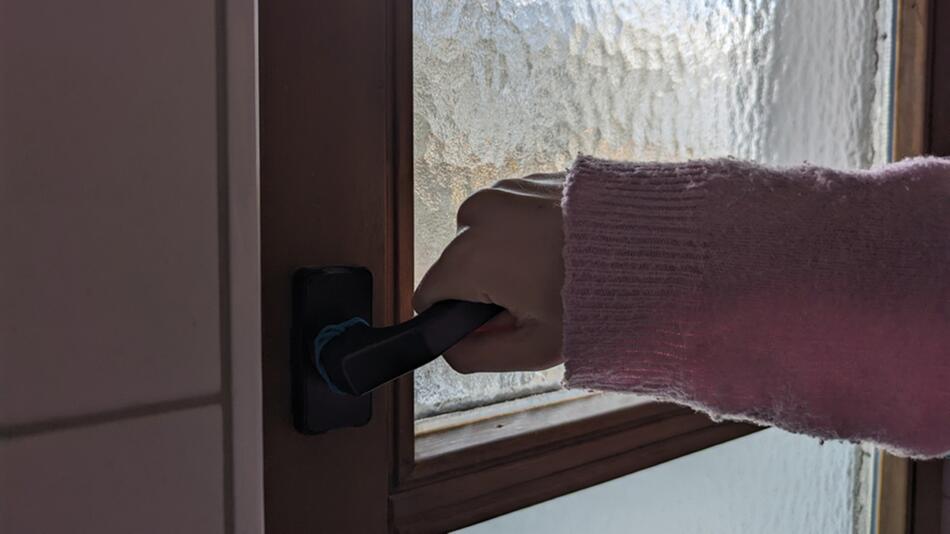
x=361, y=358
x=353, y=360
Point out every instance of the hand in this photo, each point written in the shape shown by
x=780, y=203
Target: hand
x=507, y=252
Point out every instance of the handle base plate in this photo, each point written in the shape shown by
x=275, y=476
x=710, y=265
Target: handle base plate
x=321, y=297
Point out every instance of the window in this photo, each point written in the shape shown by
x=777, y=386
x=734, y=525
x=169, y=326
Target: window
x=508, y=88
x=338, y=187
x=765, y=482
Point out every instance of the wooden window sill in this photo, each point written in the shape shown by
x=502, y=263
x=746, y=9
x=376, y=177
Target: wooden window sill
x=462, y=474
x=460, y=431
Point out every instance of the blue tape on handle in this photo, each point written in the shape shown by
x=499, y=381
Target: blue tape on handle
x=325, y=336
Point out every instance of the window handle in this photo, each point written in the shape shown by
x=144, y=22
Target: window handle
x=359, y=358
x=337, y=358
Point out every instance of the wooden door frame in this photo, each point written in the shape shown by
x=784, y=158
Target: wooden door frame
x=326, y=170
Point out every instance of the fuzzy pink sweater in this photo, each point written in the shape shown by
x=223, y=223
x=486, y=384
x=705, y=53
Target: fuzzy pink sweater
x=814, y=300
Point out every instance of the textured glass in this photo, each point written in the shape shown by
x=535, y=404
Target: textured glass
x=509, y=87
x=751, y=485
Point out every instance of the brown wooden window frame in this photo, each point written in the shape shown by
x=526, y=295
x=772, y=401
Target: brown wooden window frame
x=511, y=470
x=314, y=69
x=910, y=492
x=508, y=472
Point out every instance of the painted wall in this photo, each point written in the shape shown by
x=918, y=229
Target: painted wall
x=129, y=328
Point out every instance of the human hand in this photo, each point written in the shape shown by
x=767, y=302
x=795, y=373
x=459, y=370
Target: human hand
x=507, y=252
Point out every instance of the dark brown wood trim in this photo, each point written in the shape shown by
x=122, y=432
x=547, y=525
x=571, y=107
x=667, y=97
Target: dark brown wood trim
x=926, y=497
x=551, y=436
x=911, y=79
x=458, y=439
x=940, y=80
x=404, y=194
x=893, y=495
x=507, y=485
x=927, y=488
x=326, y=134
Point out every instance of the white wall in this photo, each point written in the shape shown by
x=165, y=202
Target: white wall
x=129, y=292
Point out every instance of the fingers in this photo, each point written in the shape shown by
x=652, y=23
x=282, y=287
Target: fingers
x=507, y=252
x=502, y=344
x=535, y=183
x=481, y=205
x=487, y=203
x=452, y=276
x=544, y=185
x=503, y=322
x=528, y=347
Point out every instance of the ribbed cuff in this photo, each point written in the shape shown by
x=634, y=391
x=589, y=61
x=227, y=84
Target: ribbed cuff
x=634, y=255
x=777, y=296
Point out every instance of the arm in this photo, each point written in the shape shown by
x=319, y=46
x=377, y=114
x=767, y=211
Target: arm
x=813, y=300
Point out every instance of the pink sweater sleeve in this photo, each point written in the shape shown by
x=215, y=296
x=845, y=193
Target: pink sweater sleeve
x=813, y=300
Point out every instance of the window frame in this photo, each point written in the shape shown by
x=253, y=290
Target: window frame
x=909, y=492
x=335, y=141
x=466, y=486
x=469, y=485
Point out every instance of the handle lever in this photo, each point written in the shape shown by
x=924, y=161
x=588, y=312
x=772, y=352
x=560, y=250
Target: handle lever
x=362, y=358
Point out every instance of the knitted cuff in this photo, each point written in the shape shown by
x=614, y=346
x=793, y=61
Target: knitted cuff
x=633, y=258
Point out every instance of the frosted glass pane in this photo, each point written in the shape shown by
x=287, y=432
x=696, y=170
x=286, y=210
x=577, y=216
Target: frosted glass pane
x=509, y=87
x=772, y=482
